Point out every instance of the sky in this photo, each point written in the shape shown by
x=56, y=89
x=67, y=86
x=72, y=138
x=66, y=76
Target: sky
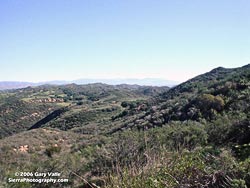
x=42, y=40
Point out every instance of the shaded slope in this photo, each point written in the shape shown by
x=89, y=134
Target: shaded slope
x=17, y=115
x=48, y=118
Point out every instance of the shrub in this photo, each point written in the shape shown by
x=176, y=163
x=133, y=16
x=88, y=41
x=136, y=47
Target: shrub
x=52, y=150
x=79, y=103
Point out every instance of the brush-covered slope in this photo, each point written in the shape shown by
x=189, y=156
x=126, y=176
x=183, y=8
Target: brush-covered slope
x=220, y=92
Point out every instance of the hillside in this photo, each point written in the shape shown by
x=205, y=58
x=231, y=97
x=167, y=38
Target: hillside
x=220, y=92
x=66, y=107
x=196, y=134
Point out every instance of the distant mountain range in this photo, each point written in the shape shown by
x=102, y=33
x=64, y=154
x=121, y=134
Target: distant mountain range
x=145, y=82
x=14, y=85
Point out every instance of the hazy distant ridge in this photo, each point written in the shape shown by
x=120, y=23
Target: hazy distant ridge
x=14, y=85
x=146, y=81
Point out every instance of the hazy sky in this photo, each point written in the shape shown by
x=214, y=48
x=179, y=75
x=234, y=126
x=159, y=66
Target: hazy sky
x=44, y=40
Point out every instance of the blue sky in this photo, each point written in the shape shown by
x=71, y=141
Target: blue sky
x=43, y=40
